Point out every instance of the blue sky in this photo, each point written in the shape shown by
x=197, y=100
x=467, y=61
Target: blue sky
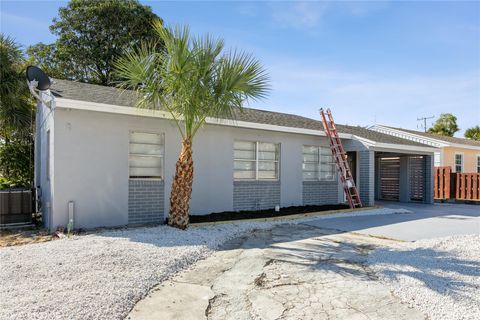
x=385, y=62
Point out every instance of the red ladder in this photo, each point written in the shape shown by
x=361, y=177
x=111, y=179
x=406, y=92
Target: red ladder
x=340, y=157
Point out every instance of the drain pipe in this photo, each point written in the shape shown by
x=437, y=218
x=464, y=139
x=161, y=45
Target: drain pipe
x=70, y=225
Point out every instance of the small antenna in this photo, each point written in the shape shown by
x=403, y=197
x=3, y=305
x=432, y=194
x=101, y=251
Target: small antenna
x=424, y=119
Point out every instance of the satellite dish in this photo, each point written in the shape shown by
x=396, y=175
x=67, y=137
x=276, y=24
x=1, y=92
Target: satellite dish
x=36, y=74
x=39, y=84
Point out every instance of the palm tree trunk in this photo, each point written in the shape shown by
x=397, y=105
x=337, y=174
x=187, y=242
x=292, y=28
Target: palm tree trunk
x=182, y=188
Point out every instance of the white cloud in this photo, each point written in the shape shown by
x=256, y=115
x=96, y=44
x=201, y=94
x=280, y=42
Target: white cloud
x=357, y=98
x=362, y=8
x=301, y=14
x=309, y=14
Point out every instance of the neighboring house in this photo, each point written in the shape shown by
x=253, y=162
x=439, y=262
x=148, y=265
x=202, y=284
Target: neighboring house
x=462, y=155
x=112, y=164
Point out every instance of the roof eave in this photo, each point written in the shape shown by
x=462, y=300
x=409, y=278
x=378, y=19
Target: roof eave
x=108, y=108
x=402, y=148
x=441, y=143
x=101, y=107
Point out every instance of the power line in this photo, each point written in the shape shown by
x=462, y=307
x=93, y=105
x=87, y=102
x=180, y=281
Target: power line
x=424, y=119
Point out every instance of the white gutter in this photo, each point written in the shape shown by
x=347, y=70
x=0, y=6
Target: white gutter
x=402, y=148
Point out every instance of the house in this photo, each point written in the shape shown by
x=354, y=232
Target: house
x=462, y=155
x=103, y=162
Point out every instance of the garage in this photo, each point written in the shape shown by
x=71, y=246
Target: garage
x=400, y=177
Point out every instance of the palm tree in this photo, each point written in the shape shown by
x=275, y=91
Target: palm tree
x=192, y=79
x=16, y=117
x=473, y=133
x=15, y=101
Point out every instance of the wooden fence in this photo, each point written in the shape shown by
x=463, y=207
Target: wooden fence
x=16, y=206
x=442, y=183
x=468, y=186
x=459, y=186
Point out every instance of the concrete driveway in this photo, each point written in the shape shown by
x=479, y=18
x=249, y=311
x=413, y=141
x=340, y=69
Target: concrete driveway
x=427, y=221
x=313, y=270
x=288, y=272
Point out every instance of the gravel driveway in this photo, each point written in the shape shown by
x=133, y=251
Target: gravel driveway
x=103, y=275
x=441, y=277
x=98, y=276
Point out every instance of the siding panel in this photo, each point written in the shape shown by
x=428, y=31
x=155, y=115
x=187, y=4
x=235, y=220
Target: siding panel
x=320, y=192
x=146, y=201
x=255, y=195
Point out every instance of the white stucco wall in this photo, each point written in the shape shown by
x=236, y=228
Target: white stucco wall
x=44, y=123
x=91, y=165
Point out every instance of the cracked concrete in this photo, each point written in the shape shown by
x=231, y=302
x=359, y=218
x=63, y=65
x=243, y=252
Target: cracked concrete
x=292, y=271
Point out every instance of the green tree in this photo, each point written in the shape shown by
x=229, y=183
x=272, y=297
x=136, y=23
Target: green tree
x=473, y=133
x=91, y=35
x=45, y=56
x=16, y=163
x=16, y=116
x=192, y=79
x=446, y=125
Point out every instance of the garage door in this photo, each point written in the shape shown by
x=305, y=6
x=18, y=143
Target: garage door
x=417, y=178
x=390, y=178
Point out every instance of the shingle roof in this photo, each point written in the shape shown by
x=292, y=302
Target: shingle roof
x=92, y=93
x=109, y=95
x=467, y=142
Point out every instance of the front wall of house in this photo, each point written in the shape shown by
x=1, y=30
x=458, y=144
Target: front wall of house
x=469, y=158
x=92, y=169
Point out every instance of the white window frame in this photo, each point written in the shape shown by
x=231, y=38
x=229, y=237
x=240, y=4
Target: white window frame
x=319, y=164
x=437, y=159
x=455, y=161
x=257, y=160
x=162, y=156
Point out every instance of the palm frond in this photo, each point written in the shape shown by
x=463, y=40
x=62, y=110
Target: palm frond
x=192, y=78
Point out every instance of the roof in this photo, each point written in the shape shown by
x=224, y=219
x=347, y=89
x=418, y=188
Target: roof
x=435, y=136
x=109, y=95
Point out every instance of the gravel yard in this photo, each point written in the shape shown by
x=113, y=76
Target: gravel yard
x=441, y=277
x=102, y=275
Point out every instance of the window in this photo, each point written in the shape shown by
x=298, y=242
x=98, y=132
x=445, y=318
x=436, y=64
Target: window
x=255, y=160
x=146, y=155
x=458, y=162
x=47, y=152
x=437, y=159
x=478, y=163
x=318, y=164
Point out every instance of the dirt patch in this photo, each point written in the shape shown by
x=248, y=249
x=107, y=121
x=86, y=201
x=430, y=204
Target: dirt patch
x=20, y=237
x=286, y=211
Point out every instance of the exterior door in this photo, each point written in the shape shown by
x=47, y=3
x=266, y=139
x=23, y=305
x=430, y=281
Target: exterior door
x=352, y=164
x=390, y=178
x=417, y=178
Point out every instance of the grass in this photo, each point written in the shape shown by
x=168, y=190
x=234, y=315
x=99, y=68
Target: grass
x=26, y=236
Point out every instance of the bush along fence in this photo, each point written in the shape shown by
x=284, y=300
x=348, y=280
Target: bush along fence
x=456, y=186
